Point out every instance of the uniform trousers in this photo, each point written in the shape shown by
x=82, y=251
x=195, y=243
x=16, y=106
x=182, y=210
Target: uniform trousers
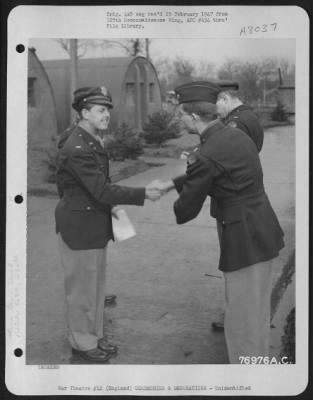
x=84, y=272
x=248, y=311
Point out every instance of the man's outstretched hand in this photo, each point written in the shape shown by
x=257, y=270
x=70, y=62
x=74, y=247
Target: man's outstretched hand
x=153, y=192
x=157, y=188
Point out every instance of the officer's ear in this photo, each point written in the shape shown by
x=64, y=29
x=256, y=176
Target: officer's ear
x=195, y=117
x=84, y=113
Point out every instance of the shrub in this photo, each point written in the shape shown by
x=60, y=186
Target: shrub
x=280, y=113
x=125, y=143
x=160, y=128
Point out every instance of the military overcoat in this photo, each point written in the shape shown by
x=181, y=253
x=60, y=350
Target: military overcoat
x=226, y=166
x=83, y=214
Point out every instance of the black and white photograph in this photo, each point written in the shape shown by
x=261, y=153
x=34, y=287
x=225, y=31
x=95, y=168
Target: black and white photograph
x=162, y=163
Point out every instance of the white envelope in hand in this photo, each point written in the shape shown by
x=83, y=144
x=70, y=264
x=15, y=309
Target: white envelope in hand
x=122, y=227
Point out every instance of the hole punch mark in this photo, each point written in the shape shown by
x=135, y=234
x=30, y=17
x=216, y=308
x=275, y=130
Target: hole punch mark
x=18, y=199
x=20, y=48
x=18, y=352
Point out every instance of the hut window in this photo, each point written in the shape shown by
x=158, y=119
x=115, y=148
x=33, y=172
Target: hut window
x=31, y=92
x=151, y=92
x=130, y=93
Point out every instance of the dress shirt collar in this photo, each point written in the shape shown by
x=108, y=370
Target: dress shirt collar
x=93, y=141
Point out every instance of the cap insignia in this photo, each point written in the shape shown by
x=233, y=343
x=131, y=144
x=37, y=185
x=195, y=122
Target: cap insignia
x=104, y=91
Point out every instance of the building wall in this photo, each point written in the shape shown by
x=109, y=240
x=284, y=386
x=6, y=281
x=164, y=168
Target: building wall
x=42, y=121
x=128, y=81
x=140, y=94
x=60, y=82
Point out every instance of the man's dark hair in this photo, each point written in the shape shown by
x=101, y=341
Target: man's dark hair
x=205, y=110
x=87, y=106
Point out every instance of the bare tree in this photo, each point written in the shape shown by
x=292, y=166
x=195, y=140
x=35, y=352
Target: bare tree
x=82, y=46
x=205, y=71
x=247, y=75
x=173, y=73
x=184, y=70
x=229, y=69
x=256, y=78
x=128, y=47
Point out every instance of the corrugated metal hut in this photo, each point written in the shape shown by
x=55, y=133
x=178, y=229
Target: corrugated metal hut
x=42, y=118
x=132, y=81
x=286, y=94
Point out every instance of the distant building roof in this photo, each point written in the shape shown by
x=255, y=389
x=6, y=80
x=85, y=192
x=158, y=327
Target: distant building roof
x=114, y=68
x=119, y=75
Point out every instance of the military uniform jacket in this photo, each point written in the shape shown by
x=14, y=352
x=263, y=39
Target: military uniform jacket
x=243, y=118
x=227, y=167
x=83, y=214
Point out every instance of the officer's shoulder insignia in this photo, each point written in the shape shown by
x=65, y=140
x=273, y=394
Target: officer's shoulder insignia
x=184, y=155
x=78, y=147
x=232, y=124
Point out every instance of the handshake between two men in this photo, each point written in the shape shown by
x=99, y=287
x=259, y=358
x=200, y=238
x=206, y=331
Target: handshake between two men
x=157, y=188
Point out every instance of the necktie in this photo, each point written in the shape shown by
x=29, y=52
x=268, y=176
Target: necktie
x=101, y=141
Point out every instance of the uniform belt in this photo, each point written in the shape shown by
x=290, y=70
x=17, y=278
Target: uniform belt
x=241, y=199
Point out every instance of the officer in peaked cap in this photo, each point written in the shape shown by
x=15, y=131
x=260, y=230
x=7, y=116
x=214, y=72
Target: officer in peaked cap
x=227, y=168
x=84, y=221
x=82, y=97
x=238, y=115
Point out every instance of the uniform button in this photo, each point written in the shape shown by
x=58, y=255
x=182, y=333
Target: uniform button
x=88, y=208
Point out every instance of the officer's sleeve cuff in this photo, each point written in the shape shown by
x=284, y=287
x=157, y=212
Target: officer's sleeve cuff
x=179, y=182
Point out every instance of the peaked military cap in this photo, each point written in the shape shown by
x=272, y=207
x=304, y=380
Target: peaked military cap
x=91, y=95
x=198, y=91
x=228, y=85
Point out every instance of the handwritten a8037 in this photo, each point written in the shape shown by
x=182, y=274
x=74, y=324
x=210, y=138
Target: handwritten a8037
x=250, y=360
x=251, y=29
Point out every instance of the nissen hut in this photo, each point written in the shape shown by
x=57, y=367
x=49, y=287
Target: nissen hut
x=132, y=81
x=41, y=115
x=286, y=93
